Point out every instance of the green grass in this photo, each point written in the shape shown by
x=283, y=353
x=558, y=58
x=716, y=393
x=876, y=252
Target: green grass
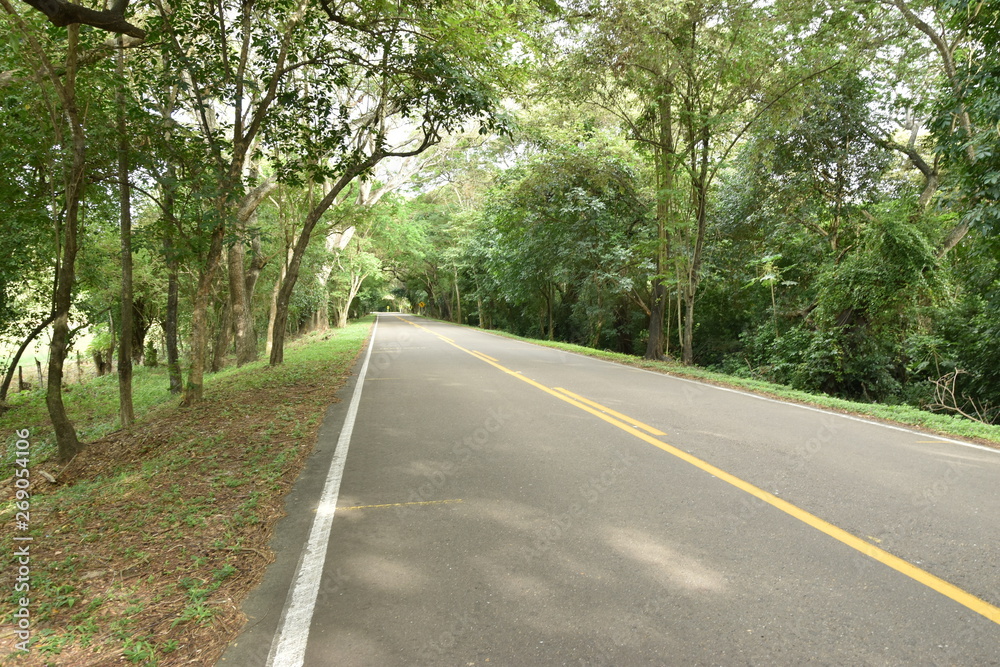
x=92, y=407
x=948, y=425
x=39, y=350
x=172, y=515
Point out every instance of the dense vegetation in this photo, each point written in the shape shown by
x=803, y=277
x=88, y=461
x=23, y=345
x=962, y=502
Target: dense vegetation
x=793, y=191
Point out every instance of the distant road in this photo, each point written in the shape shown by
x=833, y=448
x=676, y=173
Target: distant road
x=503, y=503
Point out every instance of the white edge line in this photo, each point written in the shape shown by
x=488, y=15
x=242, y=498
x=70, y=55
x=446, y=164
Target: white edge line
x=757, y=396
x=289, y=646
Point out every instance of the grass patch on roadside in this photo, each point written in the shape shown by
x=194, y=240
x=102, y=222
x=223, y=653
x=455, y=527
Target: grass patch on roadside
x=146, y=545
x=904, y=415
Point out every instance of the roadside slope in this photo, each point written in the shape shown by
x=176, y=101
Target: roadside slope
x=145, y=547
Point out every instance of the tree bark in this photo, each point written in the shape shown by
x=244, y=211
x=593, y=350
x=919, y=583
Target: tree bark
x=176, y=381
x=323, y=312
x=62, y=13
x=953, y=238
x=257, y=264
x=242, y=281
x=273, y=314
x=68, y=444
x=240, y=316
x=223, y=332
x=194, y=391
x=126, y=410
x=700, y=178
x=357, y=280
x=458, y=300
x=657, y=311
x=664, y=156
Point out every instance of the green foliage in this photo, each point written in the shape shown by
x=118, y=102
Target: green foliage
x=881, y=282
x=560, y=247
x=973, y=150
x=902, y=414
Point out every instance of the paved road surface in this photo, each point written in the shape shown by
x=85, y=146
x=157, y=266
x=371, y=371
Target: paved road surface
x=507, y=504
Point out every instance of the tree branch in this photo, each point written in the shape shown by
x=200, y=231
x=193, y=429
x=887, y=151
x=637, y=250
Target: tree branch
x=63, y=13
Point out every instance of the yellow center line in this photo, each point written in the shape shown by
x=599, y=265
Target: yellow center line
x=484, y=356
x=613, y=413
x=934, y=582
x=426, y=502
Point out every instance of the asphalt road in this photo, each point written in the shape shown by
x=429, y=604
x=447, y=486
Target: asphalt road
x=507, y=504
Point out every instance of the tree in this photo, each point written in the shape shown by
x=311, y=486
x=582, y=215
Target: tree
x=959, y=35
x=66, y=119
x=965, y=123
x=432, y=68
x=560, y=243
x=689, y=80
x=62, y=13
x=126, y=409
x=241, y=72
x=26, y=238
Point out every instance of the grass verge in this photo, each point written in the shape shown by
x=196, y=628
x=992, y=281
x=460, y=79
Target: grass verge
x=902, y=415
x=143, y=550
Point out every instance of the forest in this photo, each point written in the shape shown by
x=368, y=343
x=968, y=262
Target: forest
x=799, y=192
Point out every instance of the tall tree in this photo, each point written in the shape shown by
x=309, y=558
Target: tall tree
x=126, y=409
x=67, y=118
x=689, y=79
x=431, y=68
x=967, y=113
x=241, y=72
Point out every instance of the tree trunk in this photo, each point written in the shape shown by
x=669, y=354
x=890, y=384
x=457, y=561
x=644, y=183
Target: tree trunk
x=173, y=310
x=657, y=310
x=222, y=336
x=242, y=281
x=953, y=238
x=292, y=274
x=665, y=165
x=356, y=282
x=323, y=312
x=274, y=307
x=194, y=391
x=700, y=187
x=458, y=300
x=125, y=409
x=257, y=264
x=550, y=305
x=9, y=377
x=141, y=321
x=241, y=315
x=68, y=444
x=687, y=341
x=172, y=234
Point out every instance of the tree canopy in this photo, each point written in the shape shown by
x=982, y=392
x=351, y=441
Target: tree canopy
x=794, y=191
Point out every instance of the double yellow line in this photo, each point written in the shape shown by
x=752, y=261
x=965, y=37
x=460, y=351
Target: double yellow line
x=646, y=433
